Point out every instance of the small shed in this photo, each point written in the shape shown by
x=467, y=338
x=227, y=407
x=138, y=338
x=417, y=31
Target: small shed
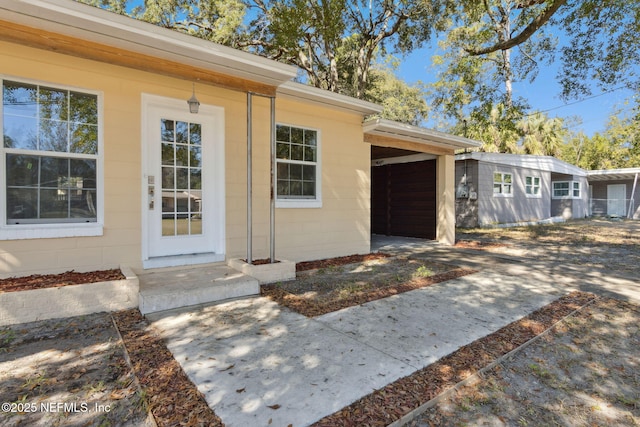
x=615, y=192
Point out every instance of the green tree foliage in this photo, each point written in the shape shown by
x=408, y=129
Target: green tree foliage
x=590, y=153
x=117, y=6
x=495, y=126
x=492, y=44
x=402, y=102
x=604, y=48
x=504, y=130
x=604, y=41
x=617, y=147
x=476, y=74
x=218, y=21
x=542, y=135
x=335, y=41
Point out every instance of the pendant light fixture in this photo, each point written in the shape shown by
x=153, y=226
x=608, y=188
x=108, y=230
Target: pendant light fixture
x=194, y=104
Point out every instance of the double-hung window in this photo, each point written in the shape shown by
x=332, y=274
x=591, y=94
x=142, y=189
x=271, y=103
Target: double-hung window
x=51, y=154
x=532, y=186
x=297, y=167
x=566, y=189
x=502, y=184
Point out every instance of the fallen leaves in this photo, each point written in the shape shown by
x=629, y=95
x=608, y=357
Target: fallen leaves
x=478, y=244
x=311, y=305
x=40, y=281
x=337, y=261
x=397, y=399
x=172, y=397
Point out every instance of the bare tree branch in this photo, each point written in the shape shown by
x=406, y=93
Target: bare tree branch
x=538, y=22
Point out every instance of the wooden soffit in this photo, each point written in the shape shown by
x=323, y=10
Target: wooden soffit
x=53, y=42
x=420, y=147
x=388, y=133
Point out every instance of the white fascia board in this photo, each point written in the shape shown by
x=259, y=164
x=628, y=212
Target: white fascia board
x=327, y=98
x=406, y=132
x=85, y=22
x=613, y=174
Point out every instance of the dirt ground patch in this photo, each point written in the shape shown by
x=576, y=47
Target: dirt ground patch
x=585, y=372
x=76, y=372
x=67, y=372
x=612, y=245
x=344, y=283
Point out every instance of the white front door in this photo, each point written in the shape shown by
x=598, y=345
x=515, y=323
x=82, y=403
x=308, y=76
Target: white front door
x=616, y=199
x=183, y=194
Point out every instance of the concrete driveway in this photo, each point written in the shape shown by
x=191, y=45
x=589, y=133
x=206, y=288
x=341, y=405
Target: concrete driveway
x=260, y=364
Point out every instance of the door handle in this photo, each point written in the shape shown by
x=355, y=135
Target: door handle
x=151, y=192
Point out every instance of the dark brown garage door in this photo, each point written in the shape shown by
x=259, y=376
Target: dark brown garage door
x=403, y=199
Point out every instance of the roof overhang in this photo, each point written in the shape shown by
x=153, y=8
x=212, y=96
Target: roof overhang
x=388, y=133
x=613, y=174
x=543, y=163
x=90, y=25
x=326, y=98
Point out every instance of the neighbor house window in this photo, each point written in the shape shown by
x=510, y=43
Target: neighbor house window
x=532, y=186
x=50, y=153
x=502, y=184
x=297, y=166
x=566, y=189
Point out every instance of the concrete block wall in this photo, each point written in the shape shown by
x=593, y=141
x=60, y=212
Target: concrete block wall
x=68, y=301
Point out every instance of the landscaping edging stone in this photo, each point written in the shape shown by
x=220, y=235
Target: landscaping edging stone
x=280, y=271
x=71, y=300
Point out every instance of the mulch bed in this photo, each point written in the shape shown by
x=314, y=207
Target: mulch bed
x=175, y=401
x=399, y=398
x=312, y=307
x=171, y=397
x=337, y=261
x=41, y=281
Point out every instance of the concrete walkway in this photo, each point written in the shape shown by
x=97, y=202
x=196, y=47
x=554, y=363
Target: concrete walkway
x=259, y=364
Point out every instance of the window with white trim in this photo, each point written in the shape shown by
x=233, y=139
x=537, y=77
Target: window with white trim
x=566, y=189
x=297, y=168
x=532, y=186
x=502, y=184
x=50, y=154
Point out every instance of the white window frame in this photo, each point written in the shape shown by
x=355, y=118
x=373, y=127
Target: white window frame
x=530, y=189
x=503, y=185
x=572, y=188
x=284, y=202
x=58, y=229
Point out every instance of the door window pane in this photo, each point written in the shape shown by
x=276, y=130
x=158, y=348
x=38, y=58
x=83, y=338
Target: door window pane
x=181, y=177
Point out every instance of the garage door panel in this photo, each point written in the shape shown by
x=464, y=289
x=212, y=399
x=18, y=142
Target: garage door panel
x=403, y=200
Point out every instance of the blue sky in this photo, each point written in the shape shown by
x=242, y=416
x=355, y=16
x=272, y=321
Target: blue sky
x=542, y=94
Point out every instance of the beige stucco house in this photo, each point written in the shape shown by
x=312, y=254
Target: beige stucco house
x=103, y=164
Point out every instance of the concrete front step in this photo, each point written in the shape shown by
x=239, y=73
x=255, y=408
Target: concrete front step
x=168, y=289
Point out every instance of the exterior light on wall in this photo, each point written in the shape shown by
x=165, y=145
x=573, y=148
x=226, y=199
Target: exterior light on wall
x=194, y=104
